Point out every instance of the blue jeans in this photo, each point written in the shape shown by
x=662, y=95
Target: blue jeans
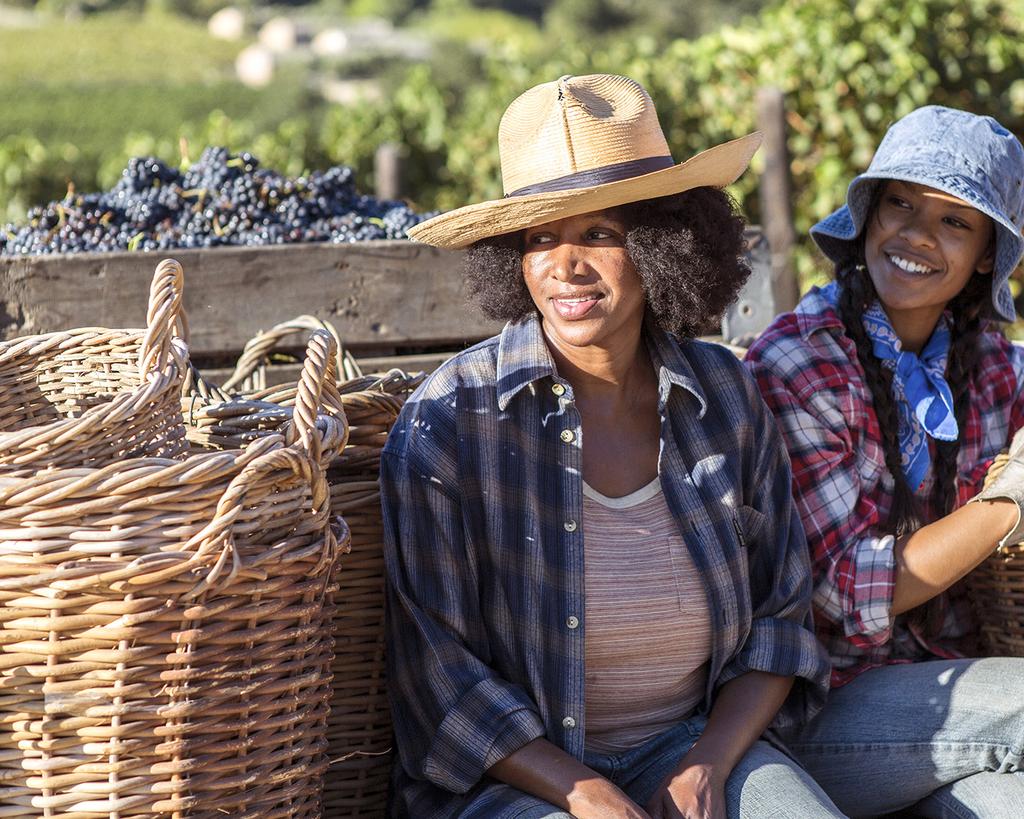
x=766, y=783
x=946, y=736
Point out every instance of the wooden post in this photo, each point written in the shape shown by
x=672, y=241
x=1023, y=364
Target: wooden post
x=775, y=194
x=387, y=171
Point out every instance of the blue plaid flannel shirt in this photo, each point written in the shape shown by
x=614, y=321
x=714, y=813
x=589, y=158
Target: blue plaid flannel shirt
x=482, y=491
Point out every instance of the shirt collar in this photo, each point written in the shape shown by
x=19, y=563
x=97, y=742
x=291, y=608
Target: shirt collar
x=672, y=365
x=815, y=312
x=523, y=358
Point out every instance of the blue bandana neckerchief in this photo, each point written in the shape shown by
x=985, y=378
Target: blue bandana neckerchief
x=923, y=398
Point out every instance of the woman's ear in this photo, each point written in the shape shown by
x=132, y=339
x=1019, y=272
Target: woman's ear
x=987, y=262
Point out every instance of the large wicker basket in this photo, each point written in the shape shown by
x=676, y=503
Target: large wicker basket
x=166, y=642
x=91, y=396
x=359, y=724
x=250, y=374
x=997, y=591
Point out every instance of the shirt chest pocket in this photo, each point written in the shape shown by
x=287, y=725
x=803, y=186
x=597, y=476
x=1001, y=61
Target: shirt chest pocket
x=725, y=548
x=749, y=524
x=689, y=585
x=750, y=527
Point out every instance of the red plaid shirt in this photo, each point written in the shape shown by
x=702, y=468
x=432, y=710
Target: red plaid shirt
x=808, y=372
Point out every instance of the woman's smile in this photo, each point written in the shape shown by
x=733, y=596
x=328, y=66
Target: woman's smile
x=914, y=269
x=575, y=306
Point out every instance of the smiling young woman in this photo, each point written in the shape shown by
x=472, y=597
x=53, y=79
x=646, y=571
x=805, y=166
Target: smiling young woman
x=894, y=391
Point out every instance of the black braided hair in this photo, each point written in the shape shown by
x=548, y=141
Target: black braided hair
x=857, y=292
x=968, y=323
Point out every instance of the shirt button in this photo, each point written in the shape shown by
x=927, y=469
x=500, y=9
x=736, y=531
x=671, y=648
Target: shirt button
x=569, y=526
x=572, y=621
x=568, y=722
x=558, y=389
x=568, y=436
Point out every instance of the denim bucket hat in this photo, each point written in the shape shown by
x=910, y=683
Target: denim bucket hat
x=971, y=157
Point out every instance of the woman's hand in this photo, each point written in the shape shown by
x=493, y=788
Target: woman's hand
x=600, y=799
x=693, y=792
x=696, y=787
x=549, y=773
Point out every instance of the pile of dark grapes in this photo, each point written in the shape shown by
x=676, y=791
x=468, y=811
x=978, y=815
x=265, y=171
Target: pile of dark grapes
x=220, y=200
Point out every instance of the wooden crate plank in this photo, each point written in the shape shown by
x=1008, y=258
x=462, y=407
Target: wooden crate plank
x=288, y=373
x=375, y=293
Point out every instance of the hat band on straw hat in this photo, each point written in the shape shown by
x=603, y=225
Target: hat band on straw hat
x=598, y=176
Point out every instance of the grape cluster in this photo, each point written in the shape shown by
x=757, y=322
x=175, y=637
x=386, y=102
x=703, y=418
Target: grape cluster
x=220, y=200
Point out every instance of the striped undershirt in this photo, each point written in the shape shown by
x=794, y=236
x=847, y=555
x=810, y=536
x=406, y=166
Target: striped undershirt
x=648, y=628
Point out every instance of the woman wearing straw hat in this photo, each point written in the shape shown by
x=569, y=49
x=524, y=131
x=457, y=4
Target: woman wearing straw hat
x=598, y=591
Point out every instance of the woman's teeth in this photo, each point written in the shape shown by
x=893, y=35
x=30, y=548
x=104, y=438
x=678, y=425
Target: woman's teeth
x=910, y=267
x=574, y=307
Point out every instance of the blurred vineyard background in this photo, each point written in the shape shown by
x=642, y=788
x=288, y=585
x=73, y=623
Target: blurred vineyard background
x=86, y=84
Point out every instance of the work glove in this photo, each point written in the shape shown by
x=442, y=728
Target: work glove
x=1005, y=481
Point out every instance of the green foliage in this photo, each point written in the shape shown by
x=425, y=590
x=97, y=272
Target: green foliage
x=394, y=10
x=459, y=21
x=29, y=171
x=664, y=20
x=115, y=48
x=84, y=114
x=848, y=70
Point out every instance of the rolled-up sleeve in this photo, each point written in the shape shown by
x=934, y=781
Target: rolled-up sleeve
x=853, y=560
x=454, y=716
x=781, y=638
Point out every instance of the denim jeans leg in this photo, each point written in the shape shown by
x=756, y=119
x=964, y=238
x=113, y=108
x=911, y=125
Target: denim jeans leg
x=897, y=734
x=640, y=771
x=981, y=796
x=764, y=785
x=768, y=783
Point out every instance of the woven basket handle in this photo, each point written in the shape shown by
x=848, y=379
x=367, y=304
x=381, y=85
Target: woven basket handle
x=317, y=389
x=164, y=316
x=196, y=384
x=250, y=368
x=219, y=534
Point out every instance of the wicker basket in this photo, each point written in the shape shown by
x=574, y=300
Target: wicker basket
x=359, y=725
x=166, y=635
x=93, y=396
x=250, y=373
x=215, y=419
x=997, y=590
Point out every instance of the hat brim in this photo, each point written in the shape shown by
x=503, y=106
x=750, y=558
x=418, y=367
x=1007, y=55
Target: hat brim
x=716, y=167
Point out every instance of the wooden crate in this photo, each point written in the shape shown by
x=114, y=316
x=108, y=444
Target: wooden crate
x=395, y=303
x=385, y=297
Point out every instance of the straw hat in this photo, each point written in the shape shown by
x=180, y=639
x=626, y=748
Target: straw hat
x=577, y=145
